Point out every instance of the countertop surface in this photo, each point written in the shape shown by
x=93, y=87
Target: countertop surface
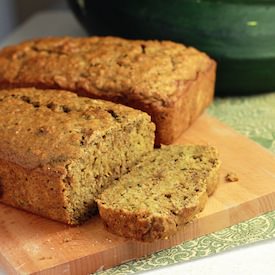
x=246, y=248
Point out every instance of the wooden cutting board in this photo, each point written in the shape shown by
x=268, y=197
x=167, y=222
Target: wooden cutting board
x=30, y=244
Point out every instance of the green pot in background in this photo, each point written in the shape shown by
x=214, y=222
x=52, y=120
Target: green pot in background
x=238, y=34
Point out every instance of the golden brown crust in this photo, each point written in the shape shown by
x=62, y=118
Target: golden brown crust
x=147, y=227
x=213, y=180
x=53, y=150
x=33, y=190
x=189, y=103
x=171, y=82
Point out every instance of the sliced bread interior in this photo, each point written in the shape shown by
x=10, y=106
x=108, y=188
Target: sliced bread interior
x=164, y=191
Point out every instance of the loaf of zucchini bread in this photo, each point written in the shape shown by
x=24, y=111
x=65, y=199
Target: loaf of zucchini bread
x=163, y=192
x=58, y=151
x=169, y=81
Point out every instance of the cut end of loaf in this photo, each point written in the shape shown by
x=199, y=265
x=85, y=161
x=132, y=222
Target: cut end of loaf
x=102, y=162
x=164, y=191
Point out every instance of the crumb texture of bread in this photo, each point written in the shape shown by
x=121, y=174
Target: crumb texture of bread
x=169, y=81
x=58, y=151
x=162, y=193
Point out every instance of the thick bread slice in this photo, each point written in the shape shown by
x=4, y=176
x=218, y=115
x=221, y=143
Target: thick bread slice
x=165, y=190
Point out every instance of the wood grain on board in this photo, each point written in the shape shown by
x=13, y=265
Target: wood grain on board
x=30, y=244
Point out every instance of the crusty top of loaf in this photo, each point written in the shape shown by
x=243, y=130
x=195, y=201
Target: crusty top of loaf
x=47, y=127
x=144, y=69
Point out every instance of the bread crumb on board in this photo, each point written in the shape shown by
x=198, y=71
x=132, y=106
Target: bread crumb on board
x=45, y=258
x=231, y=177
x=68, y=239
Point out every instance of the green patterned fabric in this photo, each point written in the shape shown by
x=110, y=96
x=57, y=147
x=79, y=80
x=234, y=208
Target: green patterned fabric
x=253, y=117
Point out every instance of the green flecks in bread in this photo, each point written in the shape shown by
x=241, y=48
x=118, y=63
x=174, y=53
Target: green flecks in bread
x=165, y=190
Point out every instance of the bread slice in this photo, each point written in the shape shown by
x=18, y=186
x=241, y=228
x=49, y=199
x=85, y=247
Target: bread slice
x=171, y=82
x=164, y=191
x=58, y=151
